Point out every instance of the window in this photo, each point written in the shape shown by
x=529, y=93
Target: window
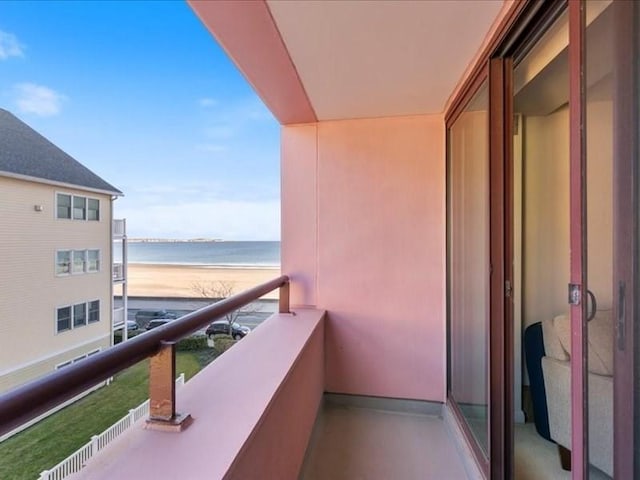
x=79, y=315
x=93, y=352
x=63, y=262
x=93, y=260
x=79, y=261
x=63, y=209
x=62, y=365
x=93, y=209
x=79, y=208
x=63, y=322
x=94, y=311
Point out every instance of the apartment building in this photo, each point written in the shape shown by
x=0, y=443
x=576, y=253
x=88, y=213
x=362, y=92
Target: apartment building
x=56, y=256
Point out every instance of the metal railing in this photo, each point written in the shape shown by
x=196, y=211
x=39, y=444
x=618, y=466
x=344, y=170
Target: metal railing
x=118, y=316
x=118, y=272
x=119, y=227
x=27, y=401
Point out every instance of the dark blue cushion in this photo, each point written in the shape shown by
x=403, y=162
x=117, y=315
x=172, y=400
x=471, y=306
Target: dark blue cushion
x=534, y=351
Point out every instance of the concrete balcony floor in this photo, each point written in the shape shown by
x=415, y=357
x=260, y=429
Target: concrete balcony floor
x=355, y=442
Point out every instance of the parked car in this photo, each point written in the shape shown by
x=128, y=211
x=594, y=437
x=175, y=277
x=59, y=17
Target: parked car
x=132, y=326
x=221, y=327
x=147, y=315
x=158, y=322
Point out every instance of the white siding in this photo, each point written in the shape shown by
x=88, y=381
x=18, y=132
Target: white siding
x=30, y=290
x=42, y=366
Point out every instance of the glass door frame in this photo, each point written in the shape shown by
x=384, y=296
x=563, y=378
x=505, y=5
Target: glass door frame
x=626, y=241
x=578, y=241
x=522, y=27
x=481, y=459
x=625, y=281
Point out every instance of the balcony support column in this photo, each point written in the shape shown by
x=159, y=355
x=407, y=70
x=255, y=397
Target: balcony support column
x=284, y=299
x=162, y=392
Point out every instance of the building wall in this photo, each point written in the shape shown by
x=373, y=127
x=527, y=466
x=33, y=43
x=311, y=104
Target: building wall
x=363, y=236
x=47, y=362
x=31, y=292
x=546, y=216
x=546, y=211
x=299, y=396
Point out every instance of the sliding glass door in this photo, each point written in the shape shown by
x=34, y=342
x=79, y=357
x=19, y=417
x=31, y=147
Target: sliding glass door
x=570, y=107
x=468, y=266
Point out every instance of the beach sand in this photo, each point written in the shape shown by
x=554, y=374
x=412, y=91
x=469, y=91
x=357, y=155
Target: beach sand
x=146, y=280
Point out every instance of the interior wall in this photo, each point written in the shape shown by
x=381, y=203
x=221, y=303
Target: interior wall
x=546, y=211
x=600, y=198
x=546, y=216
x=371, y=250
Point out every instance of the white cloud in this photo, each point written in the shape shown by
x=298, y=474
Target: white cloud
x=225, y=219
x=10, y=46
x=207, y=102
x=38, y=99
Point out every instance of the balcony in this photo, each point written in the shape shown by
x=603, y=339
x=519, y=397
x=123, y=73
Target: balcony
x=118, y=272
x=119, y=228
x=119, y=317
x=259, y=411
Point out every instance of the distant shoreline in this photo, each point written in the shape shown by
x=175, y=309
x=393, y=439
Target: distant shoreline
x=193, y=240
x=229, y=266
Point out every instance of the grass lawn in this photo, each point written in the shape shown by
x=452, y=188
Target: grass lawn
x=50, y=441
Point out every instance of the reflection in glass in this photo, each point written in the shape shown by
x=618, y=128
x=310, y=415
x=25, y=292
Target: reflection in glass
x=599, y=156
x=469, y=264
x=541, y=217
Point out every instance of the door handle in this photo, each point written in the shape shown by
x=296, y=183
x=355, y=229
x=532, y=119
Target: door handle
x=622, y=315
x=594, y=306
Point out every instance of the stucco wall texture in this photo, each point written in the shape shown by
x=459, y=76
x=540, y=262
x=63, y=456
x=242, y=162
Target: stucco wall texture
x=363, y=236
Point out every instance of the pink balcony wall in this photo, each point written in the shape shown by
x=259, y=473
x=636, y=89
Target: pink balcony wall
x=363, y=236
x=254, y=409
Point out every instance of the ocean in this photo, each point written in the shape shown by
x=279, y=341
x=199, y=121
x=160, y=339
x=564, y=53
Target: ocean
x=222, y=254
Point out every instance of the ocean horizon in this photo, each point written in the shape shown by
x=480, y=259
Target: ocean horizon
x=230, y=254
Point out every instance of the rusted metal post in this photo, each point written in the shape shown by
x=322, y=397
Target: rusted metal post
x=284, y=298
x=162, y=392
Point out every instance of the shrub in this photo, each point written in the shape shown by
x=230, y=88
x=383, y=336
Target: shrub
x=117, y=335
x=222, y=343
x=193, y=343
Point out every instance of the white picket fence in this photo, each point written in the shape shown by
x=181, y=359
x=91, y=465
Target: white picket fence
x=76, y=461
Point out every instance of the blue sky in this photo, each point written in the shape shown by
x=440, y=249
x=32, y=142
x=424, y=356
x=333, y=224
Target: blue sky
x=142, y=94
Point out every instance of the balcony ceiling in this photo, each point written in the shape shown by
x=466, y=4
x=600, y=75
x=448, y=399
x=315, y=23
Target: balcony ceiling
x=351, y=59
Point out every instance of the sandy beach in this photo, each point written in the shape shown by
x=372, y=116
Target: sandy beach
x=145, y=280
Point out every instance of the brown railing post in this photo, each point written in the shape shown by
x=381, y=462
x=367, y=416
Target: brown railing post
x=284, y=298
x=162, y=391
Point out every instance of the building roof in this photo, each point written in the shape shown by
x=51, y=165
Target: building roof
x=24, y=153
